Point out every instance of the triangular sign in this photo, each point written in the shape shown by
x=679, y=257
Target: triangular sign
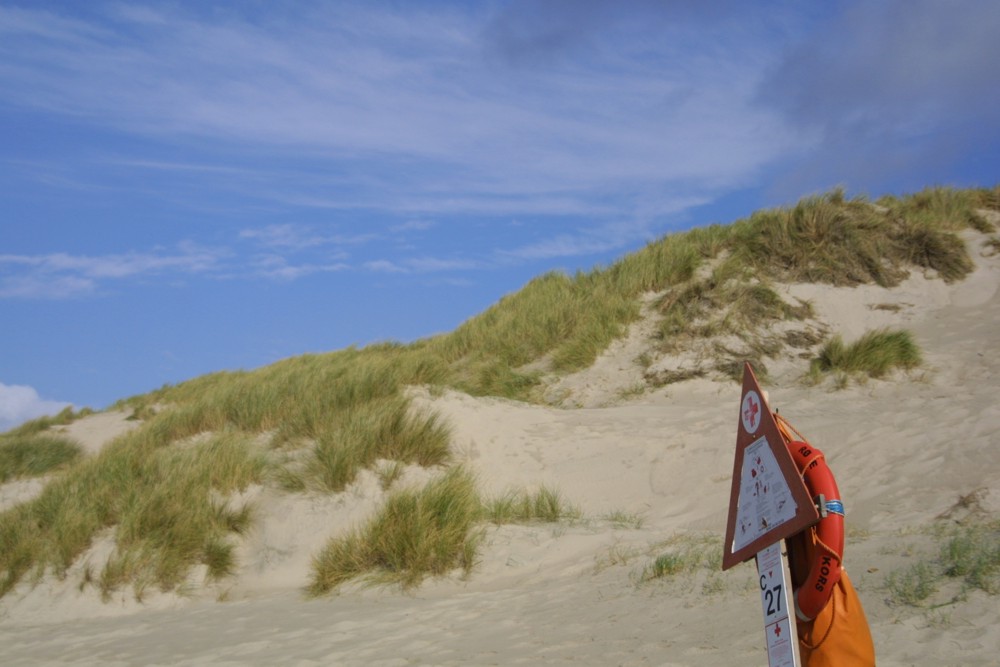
x=768, y=501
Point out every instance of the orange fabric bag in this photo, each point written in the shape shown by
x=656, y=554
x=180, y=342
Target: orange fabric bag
x=839, y=635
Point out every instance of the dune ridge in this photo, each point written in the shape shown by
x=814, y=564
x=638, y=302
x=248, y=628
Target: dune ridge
x=914, y=454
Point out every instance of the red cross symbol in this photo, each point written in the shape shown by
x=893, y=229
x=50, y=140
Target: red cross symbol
x=777, y=628
x=751, y=412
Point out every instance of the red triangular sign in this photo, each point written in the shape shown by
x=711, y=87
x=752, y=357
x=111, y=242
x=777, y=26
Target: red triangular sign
x=768, y=501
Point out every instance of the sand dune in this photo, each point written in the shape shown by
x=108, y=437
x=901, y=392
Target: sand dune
x=904, y=450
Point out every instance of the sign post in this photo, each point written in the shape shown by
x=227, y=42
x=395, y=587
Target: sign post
x=776, y=600
x=768, y=503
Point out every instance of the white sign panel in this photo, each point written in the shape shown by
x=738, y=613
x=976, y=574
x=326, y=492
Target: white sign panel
x=765, y=501
x=775, y=598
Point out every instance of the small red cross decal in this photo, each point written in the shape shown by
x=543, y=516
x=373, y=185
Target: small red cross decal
x=777, y=630
x=751, y=412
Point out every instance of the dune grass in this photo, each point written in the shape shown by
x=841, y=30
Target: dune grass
x=520, y=506
x=683, y=554
x=167, y=509
x=177, y=514
x=570, y=319
x=327, y=416
x=297, y=398
x=416, y=534
x=565, y=320
x=382, y=429
x=827, y=239
x=913, y=584
x=968, y=557
x=875, y=354
x=41, y=424
x=390, y=473
x=623, y=519
x=971, y=553
x=947, y=207
x=34, y=455
x=346, y=408
x=560, y=323
x=429, y=532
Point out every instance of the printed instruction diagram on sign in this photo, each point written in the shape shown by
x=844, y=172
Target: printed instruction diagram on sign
x=765, y=500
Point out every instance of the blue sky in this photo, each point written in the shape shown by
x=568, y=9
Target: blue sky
x=194, y=186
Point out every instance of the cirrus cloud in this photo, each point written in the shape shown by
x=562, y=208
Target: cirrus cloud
x=62, y=275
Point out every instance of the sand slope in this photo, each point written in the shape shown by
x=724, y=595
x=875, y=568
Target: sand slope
x=904, y=450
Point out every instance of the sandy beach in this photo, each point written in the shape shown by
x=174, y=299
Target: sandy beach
x=646, y=469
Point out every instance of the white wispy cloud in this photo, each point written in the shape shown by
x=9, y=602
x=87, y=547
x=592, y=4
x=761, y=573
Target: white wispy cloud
x=381, y=118
x=435, y=264
x=285, y=253
x=385, y=266
x=62, y=275
x=413, y=226
x=424, y=265
x=599, y=239
x=413, y=104
x=564, y=245
x=300, y=237
x=192, y=167
x=33, y=286
x=279, y=268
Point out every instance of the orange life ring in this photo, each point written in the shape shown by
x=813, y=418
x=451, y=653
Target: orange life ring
x=824, y=571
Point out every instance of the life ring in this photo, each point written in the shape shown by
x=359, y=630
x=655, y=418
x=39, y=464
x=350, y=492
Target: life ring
x=827, y=562
x=824, y=572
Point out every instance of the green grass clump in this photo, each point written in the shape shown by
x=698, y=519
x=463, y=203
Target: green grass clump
x=912, y=585
x=35, y=426
x=968, y=555
x=572, y=319
x=972, y=553
x=416, y=534
x=545, y=504
x=167, y=508
x=825, y=239
x=684, y=554
x=382, y=429
x=566, y=320
x=178, y=516
x=157, y=488
x=429, y=532
x=988, y=198
x=668, y=564
x=31, y=456
x=926, y=246
x=389, y=474
x=724, y=306
x=623, y=519
x=299, y=398
x=946, y=207
x=874, y=354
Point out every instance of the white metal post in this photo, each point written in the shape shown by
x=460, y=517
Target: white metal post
x=778, y=602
